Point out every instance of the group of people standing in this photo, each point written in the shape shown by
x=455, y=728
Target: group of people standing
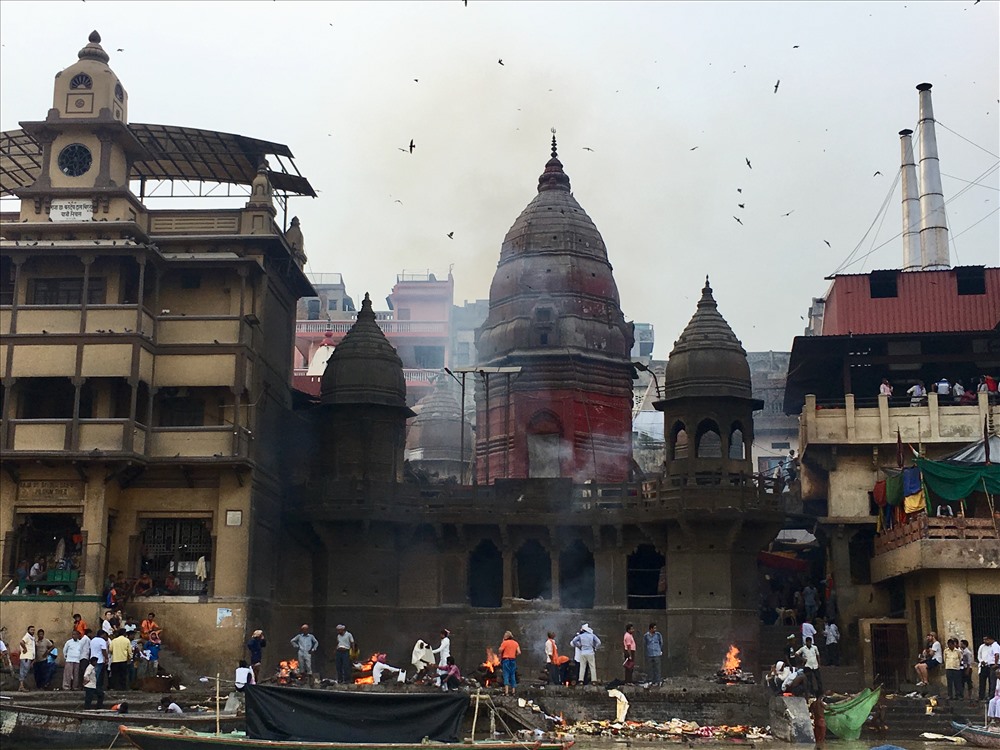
x=112, y=657
x=960, y=664
x=945, y=389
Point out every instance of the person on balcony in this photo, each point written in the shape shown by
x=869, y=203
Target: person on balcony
x=943, y=388
x=958, y=392
x=885, y=389
x=917, y=393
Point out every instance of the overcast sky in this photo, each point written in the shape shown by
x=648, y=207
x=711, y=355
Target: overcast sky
x=657, y=107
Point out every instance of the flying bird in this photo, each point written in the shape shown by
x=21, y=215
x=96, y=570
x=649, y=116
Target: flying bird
x=748, y=164
x=739, y=190
x=789, y=213
x=828, y=244
x=500, y=61
x=776, y=84
x=742, y=205
x=738, y=220
x=693, y=148
x=451, y=235
x=401, y=149
x=399, y=201
x=587, y=148
x=120, y=50
x=876, y=174
x=412, y=145
x=795, y=46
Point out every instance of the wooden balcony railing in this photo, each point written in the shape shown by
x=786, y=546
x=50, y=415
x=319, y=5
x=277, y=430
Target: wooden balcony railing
x=923, y=527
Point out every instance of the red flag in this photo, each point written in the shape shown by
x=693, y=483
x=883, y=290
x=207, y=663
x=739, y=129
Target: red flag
x=899, y=449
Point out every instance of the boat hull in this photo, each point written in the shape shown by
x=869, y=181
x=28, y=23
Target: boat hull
x=156, y=739
x=977, y=736
x=33, y=726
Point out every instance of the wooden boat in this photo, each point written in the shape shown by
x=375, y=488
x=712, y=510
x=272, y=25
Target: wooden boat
x=155, y=738
x=37, y=726
x=845, y=718
x=977, y=735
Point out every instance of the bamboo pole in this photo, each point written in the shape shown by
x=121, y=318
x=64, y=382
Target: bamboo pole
x=217, y=717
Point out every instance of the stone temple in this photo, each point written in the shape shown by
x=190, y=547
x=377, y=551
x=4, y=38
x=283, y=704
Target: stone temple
x=557, y=528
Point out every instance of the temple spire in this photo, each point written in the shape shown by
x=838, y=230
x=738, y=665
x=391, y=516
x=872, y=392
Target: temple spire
x=553, y=178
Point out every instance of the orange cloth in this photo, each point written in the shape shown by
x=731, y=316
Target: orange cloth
x=80, y=627
x=146, y=627
x=509, y=648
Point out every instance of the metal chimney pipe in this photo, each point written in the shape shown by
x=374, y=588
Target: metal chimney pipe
x=911, y=204
x=933, y=227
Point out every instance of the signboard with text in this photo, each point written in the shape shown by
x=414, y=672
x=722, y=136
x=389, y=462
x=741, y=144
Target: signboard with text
x=71, y=209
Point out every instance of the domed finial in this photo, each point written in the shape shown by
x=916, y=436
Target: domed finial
x=706, y=295
x=93, y=50
x=553, y=178
x=366, y=312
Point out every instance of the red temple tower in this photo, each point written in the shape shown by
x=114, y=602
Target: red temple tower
x=554, y=381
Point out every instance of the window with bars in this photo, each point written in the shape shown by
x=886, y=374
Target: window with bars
x=174, y=546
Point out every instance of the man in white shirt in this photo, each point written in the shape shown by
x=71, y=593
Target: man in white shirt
x=244, y=676
x=99, y=651
x=84, y=652
x=92, y=685
x=345, y=643
x=943, y=387
x=931, y=658
x=832, y=634
x=988, y=657
x=27, y=647
x=810, y=657
x=380, y=667
x=72, y=653
x=588, y=643
x=808, y=631
x=443, y=652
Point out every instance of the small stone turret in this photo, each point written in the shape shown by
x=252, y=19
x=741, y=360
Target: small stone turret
x=363, y=394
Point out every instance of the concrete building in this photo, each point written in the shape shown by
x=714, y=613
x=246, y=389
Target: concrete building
x=144, y=360
x=417, y=322
x=916, y=325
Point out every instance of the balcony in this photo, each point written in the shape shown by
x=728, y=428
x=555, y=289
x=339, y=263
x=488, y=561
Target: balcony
x=311, y=384
x=94, y=435
x=873, y=421
x=198, y=442
x=936, y=543
x=198, y=329
x=389, y=327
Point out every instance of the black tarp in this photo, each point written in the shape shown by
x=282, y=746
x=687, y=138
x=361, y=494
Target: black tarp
x=281, y=713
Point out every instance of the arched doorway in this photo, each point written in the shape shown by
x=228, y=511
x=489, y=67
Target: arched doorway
x=534, y=571
x=485, y=575
x=644, y=579
x=576, y=576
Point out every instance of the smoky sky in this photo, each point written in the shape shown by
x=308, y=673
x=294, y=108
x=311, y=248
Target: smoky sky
x=657, y=107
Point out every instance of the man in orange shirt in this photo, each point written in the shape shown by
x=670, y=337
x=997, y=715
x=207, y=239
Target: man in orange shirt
x=509, y=651
x=79, y=625
x=147, y=626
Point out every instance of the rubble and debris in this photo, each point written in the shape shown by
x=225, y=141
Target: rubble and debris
x=654, y=730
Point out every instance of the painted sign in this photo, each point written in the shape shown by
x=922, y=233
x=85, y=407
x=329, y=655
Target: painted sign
x=71, y=209
x=45, y=490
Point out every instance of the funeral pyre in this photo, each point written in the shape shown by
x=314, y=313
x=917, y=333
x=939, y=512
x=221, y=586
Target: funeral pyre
x=489, y=671
x=731, y=672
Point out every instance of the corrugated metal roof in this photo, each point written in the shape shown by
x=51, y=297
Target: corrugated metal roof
x=925, y=302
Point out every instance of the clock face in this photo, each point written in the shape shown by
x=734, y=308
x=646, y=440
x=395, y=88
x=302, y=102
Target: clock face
x=75, y=160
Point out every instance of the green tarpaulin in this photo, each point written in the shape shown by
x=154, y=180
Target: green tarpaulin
x=957, y=481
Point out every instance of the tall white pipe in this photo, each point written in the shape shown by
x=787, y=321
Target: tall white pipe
x=933, y=227
x=911, y=204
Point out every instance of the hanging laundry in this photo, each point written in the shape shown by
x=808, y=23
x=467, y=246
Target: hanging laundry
x=915, y=503
x=894, y=489
x=911, y=481
x=878, y=493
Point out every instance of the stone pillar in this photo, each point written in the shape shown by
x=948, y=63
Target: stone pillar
x=712, y=593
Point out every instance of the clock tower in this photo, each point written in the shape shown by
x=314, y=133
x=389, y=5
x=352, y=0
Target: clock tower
x=86, y=145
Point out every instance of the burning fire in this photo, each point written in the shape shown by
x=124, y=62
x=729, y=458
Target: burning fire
x=492, y=661
x=287, y=670
x=731, y=663
x=366, y=679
